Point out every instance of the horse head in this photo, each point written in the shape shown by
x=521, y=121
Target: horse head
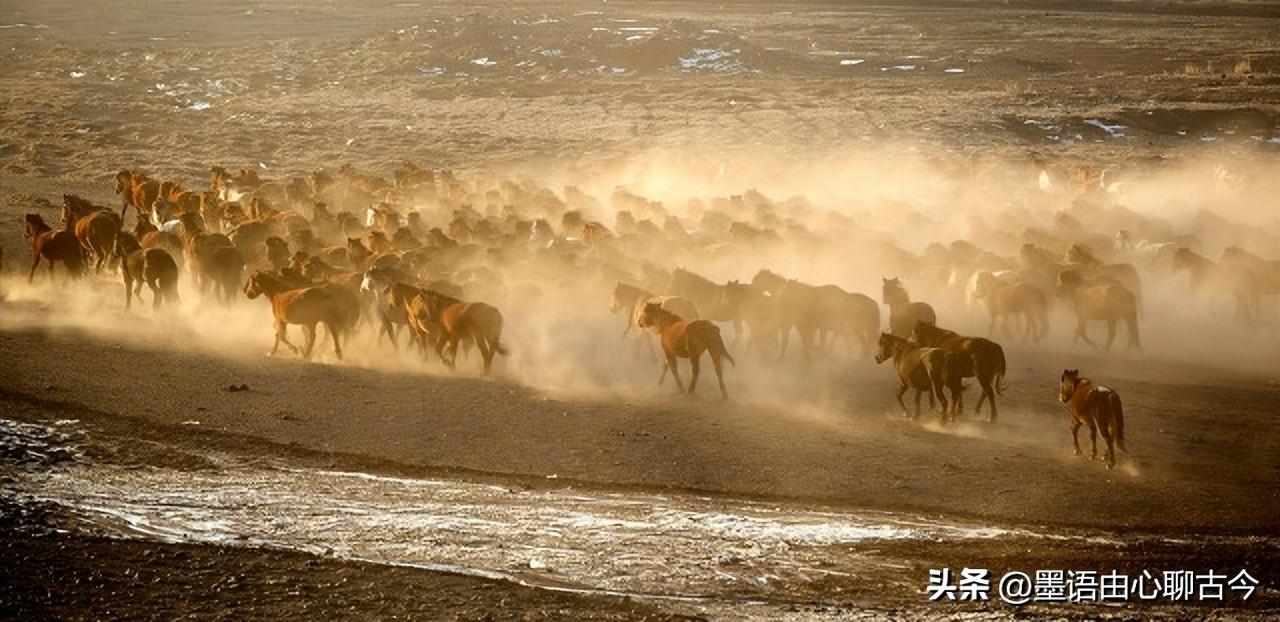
x=1067, y=387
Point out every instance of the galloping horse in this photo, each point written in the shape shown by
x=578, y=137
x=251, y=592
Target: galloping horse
x=1096, y=406
x=305, y=306
x=95, y=227
x=686, y=339
x=153, y=266
x=53, y=246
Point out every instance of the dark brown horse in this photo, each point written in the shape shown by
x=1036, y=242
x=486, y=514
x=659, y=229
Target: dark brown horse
x=153, y=266
x=95, y=226
x=922, y=369
x=904, y=314
x=53, y=246
x=686, y=339
x=1096, y=406
x=985, y=362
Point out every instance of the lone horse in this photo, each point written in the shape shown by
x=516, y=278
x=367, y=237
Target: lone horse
x=1096, y=406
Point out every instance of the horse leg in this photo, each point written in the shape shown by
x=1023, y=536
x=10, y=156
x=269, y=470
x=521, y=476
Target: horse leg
x=715, y=362
x=486, y=353
x=1075, y=434
x=337, y=345
x=695, y=362
x=1093, y=438
x=785, y=337
x=155, y=294
x=982, y=397
x=919, y=392
x=128, y=294
x=902, y=390
x=309, y=333
x=1110, y=456
x=282, y=336
x=1111, y=333
x=675, y=372
x=34, y=264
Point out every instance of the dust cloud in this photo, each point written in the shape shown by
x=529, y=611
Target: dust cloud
x=850, y=218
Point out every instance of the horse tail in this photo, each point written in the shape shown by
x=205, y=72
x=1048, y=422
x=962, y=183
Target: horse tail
x=1117, y=420
x=717, y=344
x=496, y=331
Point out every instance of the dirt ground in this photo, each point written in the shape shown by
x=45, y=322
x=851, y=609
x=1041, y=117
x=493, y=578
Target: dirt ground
x=581, y=91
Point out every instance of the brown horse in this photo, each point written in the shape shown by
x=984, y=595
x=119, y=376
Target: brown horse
x=215, y=262
x=96, y=228
x=1100, y=301
x=1096, y=406
x=153, y=266
x=307, y=306
x=922, y=369
x=1012, y=300
x=1227, y=280
x=456, y=320
x=53, y=246
x=446, y=322
x=686, y=339
x=985, y=359
x=904, y=314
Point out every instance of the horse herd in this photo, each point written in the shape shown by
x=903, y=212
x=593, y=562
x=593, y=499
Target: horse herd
x=405, y=268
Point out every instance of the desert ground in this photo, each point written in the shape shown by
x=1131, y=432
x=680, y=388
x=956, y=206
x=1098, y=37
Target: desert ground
x=160, y=464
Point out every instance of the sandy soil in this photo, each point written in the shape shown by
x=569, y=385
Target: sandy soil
x=748, y=96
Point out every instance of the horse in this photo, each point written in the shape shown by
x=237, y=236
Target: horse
x=904, y=314
x=306, y=306
x=277, y=252
x=1005, y=300
x=1266, y=271
x=456, y=320
x=922, y=369
x=985, y=362
x=95, y=227
x=390, y=318
x=53, y=246
x=686, y=339
x=153, y=266
x=763, y=314
x=981, y=277
x=1096, y=406
x=447, y=322
x=1100, y=301
x=1078, y=257
x=214, y=260
x=1221, y=280
x=706, y=295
